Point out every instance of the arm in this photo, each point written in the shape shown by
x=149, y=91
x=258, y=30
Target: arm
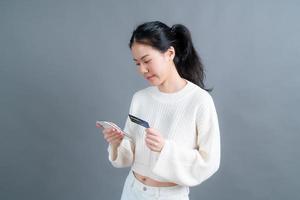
x=191, y=167
x=123, y=155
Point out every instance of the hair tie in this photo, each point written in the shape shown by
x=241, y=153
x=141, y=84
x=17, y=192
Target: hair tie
x=172, y=29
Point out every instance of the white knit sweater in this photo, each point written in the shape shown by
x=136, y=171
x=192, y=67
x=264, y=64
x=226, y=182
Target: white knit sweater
x=187, y=119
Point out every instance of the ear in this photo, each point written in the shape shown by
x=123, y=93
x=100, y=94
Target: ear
x=170, y=53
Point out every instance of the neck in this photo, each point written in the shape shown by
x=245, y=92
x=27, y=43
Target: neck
x=172, y=83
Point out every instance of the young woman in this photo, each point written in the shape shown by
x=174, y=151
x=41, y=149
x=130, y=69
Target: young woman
x=182, y=146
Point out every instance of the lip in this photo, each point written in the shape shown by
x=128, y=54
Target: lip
x=149, y=77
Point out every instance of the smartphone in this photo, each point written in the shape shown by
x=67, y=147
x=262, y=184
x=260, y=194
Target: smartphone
x=106, y=124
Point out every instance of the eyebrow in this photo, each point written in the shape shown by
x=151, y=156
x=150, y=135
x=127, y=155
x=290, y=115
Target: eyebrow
x=141, y=57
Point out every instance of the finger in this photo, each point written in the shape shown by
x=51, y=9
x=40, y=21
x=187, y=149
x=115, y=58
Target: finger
x=115, y=138
x=99, y=125
x=149, y=130
x=108, y=134
x=152, y=132
x=112, y=135
x=116, y=132
x=151, y=147
x=153, y=138
x=152, y=142
x=111, y=138
x=108, y=130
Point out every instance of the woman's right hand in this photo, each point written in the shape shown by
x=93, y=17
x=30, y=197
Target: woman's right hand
x=113, y=136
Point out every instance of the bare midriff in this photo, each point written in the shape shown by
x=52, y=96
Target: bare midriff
x=151, y=182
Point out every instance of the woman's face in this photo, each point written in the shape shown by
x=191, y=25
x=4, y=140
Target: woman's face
x=153, y=65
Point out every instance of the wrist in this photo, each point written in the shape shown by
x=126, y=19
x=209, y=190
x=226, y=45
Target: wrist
x=114, y=145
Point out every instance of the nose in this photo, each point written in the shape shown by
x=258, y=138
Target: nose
x=143, y=69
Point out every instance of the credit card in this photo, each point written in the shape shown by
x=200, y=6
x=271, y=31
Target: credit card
x=138, y=121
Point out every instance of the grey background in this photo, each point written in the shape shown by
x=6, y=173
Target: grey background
x=65, y=64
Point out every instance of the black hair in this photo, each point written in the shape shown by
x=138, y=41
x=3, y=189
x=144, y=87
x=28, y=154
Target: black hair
x=162, y=37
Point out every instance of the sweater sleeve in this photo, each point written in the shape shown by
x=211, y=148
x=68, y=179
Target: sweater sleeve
x=191, y=167
x=124, y=153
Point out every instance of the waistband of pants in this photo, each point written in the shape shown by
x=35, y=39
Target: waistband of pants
x=157, y=191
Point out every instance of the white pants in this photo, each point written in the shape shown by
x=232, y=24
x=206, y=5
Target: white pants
x=135, y=190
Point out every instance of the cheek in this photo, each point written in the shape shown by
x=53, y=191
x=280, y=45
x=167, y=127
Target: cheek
x=154, y=67
x=158, y=67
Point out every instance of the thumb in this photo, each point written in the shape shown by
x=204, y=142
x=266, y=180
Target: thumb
x=150, y=130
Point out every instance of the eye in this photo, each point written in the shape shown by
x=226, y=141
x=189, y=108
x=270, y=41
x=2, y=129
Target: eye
x=137, y=64
x=147, y=61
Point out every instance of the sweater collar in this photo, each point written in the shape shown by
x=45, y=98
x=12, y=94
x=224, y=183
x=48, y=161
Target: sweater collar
x=173, y=96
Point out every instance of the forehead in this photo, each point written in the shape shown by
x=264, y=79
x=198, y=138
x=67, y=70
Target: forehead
x=140, y=51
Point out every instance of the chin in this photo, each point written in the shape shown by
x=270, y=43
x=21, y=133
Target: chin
x=152, y=83
x=155, y=83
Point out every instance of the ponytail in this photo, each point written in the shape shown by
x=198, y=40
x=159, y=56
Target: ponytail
x=161, y=37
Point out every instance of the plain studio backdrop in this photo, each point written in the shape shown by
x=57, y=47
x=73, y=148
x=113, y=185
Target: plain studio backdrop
x=65, y=64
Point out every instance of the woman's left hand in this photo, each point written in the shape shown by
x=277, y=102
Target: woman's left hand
x=154, y=140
